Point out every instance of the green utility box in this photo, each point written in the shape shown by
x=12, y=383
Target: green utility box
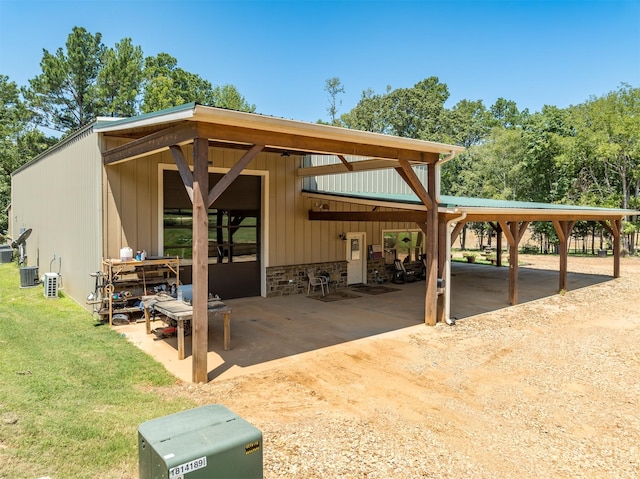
x=207, y=442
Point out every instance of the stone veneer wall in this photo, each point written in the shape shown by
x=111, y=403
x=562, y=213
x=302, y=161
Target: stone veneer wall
x=286, y=280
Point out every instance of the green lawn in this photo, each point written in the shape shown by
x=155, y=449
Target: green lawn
x=72, y=391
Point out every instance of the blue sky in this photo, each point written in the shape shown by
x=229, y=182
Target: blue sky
x=279, y=53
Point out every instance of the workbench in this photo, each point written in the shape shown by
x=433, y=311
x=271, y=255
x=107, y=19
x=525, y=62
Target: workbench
x=181, y=313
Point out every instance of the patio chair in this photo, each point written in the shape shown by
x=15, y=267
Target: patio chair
x=401, y=274
x=316, y=280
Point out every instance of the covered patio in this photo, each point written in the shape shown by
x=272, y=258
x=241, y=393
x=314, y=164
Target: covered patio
x=266, y=331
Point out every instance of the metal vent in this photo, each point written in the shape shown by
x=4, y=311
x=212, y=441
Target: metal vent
x=51, y=282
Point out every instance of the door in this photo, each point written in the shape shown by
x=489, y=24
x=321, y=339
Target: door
x=356, y=258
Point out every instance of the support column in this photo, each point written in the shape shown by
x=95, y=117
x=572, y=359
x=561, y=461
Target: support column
x=513, y=265
x=513, y=231
x=442, y=259
x=200, y=271
x=614, y=228
x=498, y=245
x=617, y=230
x=563, y=230
x=431, y=295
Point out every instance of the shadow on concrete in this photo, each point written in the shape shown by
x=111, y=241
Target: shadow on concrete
x=269, y=329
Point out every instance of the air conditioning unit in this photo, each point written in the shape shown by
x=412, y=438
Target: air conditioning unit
x=29, y=276
x=51, y=282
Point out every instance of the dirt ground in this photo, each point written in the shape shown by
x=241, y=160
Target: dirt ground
x=547, y=389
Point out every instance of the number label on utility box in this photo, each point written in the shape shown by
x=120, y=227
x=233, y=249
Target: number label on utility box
x=179, y=471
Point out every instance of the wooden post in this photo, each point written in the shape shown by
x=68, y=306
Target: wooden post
x=563, y=229
x=200, y=269
x=513, y=264
x=442, y=259
x=431, y=295
x=616, y=226
x=513, y=232
x=498, y=245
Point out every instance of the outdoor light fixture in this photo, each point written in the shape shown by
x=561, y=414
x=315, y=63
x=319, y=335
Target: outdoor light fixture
x=285, y=153
x=342, y=236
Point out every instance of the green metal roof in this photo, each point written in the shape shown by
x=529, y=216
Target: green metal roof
x=477, y=203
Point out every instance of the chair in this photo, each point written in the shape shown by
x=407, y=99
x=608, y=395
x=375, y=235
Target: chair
x=401, y=274
x=317, y=281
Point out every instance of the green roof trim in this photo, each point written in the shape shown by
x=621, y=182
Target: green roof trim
x=123, y=121
x=480, y=203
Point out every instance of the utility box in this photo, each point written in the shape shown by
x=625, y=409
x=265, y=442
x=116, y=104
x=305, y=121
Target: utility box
x=29, y=276
x=51, y=283
x=6, y=254
x=208, y=442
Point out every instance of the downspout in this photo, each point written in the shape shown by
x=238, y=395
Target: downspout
x=447, y=270
x=447, y=267
x=437, y=165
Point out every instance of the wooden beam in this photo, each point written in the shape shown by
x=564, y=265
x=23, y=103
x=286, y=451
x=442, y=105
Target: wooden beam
x=389, y=215
x=410, y=177
x=183, y=169
x=233, y=173
x=200, y=268
x=606, y=227
x=542, y=216
x=456, y=230
x=147, y=145
x=345, y=162
x=310, y=144
x=363, y=165
x=506, y=229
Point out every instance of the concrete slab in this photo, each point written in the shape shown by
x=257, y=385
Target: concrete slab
x=266, y=330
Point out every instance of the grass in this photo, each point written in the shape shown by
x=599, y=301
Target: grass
x=73, y=392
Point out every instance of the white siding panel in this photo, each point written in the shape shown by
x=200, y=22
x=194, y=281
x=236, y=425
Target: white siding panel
x=59, y=197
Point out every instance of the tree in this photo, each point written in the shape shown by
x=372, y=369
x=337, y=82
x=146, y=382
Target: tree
x=333, y=87
x=64, y=96
x=119, y=81
x=368, y=114
x=415, y=112
x=466, y=124
x=604, y=153
x=228, y=96
x=19, y=140
x=166, y=85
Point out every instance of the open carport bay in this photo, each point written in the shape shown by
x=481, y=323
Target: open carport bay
x=264, y=330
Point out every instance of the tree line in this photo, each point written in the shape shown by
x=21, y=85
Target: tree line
x=587, y=154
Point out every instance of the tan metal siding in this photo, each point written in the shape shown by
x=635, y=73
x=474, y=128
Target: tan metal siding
x=291, y=237
x=59, y=197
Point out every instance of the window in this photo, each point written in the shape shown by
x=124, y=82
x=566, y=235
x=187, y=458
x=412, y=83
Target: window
x=234, y=220
x=403, y=245
x=233, y=234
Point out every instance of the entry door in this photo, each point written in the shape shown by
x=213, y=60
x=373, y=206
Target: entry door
x=356, y=258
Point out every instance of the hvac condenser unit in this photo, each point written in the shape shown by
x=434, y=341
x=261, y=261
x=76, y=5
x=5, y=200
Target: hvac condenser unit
x=29, y=276
x=208, y=442
x=51, y=283
x=6, y=253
